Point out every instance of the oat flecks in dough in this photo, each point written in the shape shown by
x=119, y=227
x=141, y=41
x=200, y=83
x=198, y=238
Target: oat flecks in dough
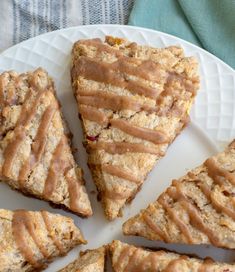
x=133, y=101
x=196, y=209
x=35, y=153
x=129, y=258
x=88, y=261
x=30, y=240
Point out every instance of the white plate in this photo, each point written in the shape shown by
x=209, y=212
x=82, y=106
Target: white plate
x=214, y=112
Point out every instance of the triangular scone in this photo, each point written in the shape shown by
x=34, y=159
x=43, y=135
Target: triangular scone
x=89, y=261
x=35, y=153
x=128, y=258
x=199, y=208
x=30, y=240
x=133, y=101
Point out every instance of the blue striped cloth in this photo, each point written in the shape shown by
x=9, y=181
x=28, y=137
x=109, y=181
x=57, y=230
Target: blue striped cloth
x=23, y=19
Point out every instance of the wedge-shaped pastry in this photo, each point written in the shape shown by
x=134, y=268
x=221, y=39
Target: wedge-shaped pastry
x=30, y=240
x=128, y=258
x=89, y=261
x=199, y=208
x=133, y=101
x=35, y=153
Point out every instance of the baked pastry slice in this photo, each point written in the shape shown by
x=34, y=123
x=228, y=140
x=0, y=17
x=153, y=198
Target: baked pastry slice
x=198, y=208
x=128, y=258
x=133, y=101
x=35, y=153
x=89, y=261
x=30, y=240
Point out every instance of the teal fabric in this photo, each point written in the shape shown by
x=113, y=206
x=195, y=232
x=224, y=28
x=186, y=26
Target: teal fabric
x=206, y=23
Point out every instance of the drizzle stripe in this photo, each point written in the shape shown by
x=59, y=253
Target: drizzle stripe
x=206, y=265
x=123, y=254
x=194, y=215
x=119, y=172
x=148, y=220
x=74, y=195
x=171, y=267
x=38, y=146
x=93, y=114
x=179, y=223
x=146, y=69
x=51, y=233
x=111, y=194
x=103, y=72
x=113, y=102
x=152, y=259
x=215, y=172
x=218, y=207
x=154, y=136
x=25, y=117
x=20, y=223
x=55, y=170
x=124, y=147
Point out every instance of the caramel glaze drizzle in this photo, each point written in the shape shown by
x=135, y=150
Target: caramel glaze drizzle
x=146, y=69
x=20, y=223
x=180, y=224
x=110, y=101
x=10, y=94
x=56, y=241
x=25, y=118
x=132, y=261
x=123, y=255
x=152, y=259
x=119, y=172
x=100, y=46
x=207, y=263
x=92, y=114
x=218, y=206
x=154, y=136
x=176, y=194
x=123, y=147
x=215, y=172
x=58, y=167
x=111, y=194
x=74, y=194
x=136, y=263
x=174, y=263
x=148, y=220
x=106, y=73
x=38, y=146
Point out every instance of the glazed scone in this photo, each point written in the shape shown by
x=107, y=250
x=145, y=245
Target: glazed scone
x=89, y=261
x=35, y=152
x=133, y=101
x=198, y=208
x=30, y=240
x=128, y=258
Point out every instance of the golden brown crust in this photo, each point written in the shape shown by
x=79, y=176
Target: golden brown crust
x=35, y=152
x=133, y=101
x=132, y=259
x=196, y=209
x=89, y=261
x=30, y=240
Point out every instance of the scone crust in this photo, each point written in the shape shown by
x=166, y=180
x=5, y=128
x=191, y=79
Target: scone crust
x=30, y=240
x=196, y=209
x=35, y=152
x=133, y=101
x=129, y=258
x=88, y=261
